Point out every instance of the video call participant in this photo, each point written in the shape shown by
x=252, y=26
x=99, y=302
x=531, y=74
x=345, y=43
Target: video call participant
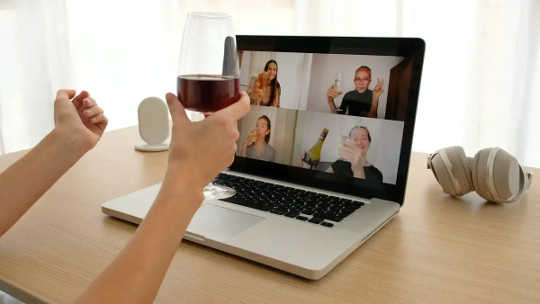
x=352, y=161
x=256, y=144
x=266, y=90
x=361, y=101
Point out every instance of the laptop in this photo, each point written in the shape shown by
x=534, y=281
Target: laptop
x=322, y=157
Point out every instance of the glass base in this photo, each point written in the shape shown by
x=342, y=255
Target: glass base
x=212, y=191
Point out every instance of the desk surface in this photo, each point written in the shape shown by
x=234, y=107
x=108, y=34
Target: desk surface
x=437, y=250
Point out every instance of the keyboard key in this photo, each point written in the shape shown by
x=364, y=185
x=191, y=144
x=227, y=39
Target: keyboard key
x=316, y=220
x=278, y=211
x=327, y=224
x=293, y=213
x=302, y=218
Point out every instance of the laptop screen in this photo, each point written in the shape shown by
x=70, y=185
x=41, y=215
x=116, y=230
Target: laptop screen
x=332, y=113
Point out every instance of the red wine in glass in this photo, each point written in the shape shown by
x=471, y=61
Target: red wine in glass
x=207, y=93
x=208, y=72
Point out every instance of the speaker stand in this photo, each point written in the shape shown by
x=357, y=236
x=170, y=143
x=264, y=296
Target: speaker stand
x=143, y=147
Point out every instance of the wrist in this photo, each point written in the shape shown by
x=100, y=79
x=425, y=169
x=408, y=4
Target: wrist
x=181, y=179
x=179, y=198
x=70, y=141
x=358, y=166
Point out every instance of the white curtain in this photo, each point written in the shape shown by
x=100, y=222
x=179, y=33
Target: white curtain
x=479, y=86
x=34, y=59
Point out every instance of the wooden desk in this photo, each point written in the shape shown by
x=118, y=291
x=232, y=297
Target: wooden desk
x=437, y=250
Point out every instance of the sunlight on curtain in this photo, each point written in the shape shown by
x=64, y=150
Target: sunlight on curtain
x=479, y=84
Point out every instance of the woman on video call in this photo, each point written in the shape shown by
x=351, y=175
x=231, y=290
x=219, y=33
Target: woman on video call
x=361, y=101
x=266, y=90
x=352, y=161
x=256, y=144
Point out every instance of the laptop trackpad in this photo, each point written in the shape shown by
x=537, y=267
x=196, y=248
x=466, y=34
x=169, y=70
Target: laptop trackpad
x=218, y=223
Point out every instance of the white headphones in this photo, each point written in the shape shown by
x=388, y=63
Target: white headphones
x=493, y=173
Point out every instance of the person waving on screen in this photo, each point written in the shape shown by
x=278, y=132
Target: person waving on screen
x=361, y=101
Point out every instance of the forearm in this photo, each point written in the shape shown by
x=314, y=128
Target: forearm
x=136, y=274
x=359, y=172
x=254, y=97
x=374, y=104
x=29, y=178
x=332, y=105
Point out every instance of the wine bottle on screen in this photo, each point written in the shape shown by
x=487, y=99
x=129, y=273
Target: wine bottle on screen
x=312, y=157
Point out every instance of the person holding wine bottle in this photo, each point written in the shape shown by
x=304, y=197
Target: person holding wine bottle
x=361, y=101
x=256, y=144
x=352, y=161
x=266, y=89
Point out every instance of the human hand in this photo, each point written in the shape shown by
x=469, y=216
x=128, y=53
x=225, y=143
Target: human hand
x=78, y=119
x=265, y=77
x=200, y=150
x=353, y=154
x=379, y=88
x=258, y=94
x=252, y=138
x=332, y=92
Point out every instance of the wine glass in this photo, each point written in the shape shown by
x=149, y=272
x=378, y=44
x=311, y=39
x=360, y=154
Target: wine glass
x=208, y=72
x=344, y=131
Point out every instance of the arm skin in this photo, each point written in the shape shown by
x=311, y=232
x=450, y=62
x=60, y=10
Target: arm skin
x=377, y=92
x=332, y=105
x=374, y=104
x=78, y=126
x=136, y=274
x=195, y=158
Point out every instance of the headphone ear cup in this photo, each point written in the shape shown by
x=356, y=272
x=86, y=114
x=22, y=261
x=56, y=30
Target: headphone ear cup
x=460, y=169
x=506, y=177
x=480, y=174
x=440, y=172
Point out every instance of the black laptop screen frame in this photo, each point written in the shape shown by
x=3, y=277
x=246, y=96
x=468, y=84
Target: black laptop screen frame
x=412, y=48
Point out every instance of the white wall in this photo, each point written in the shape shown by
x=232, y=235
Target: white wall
x=294, y=71
x=386, y=137
x=326, y=66
x=293, y=75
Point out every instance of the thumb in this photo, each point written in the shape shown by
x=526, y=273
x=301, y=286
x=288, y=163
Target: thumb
x=236, y=110
x=65, y=95
x=178, y=113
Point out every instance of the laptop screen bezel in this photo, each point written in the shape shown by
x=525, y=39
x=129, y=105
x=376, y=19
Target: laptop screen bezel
x=405, y=47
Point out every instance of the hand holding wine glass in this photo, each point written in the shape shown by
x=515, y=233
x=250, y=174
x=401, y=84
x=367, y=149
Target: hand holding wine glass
x=194, y=151
x=353, y=154
x=252, y=137
x=208, y=72
x=333, y=92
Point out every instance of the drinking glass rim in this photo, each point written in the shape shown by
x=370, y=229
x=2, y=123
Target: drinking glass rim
x=213, y=15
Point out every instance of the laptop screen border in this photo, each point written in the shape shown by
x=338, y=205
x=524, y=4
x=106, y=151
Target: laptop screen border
x=413, y=48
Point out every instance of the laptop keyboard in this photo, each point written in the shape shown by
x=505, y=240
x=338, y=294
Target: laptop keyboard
x=302, y=205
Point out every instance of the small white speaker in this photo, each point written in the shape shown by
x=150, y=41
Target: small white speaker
x=153, y=125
